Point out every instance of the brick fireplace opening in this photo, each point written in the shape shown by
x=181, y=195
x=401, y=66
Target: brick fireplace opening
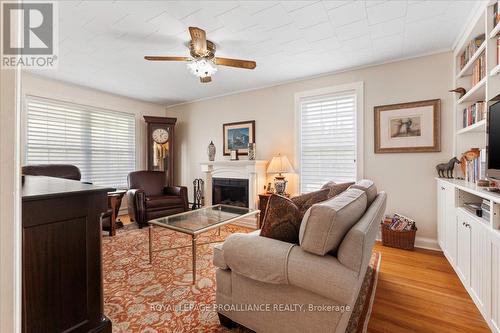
x=230, y=191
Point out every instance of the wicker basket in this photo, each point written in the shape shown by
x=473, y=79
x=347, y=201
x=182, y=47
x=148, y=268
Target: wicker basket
x=399, y=239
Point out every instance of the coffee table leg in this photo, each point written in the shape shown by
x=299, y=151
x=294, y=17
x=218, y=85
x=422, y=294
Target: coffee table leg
x=193, y=248
x=150, y=244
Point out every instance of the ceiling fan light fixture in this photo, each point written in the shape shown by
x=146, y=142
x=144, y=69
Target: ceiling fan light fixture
x=202, y=67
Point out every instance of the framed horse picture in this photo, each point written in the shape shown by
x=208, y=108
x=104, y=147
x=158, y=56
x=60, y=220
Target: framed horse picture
x=408, y=127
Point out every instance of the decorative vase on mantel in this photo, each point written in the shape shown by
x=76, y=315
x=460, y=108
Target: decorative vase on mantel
x=211, y=151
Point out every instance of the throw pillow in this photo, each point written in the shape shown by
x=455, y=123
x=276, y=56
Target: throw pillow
x=281, y=220
x=336, y=189
x=304, y=201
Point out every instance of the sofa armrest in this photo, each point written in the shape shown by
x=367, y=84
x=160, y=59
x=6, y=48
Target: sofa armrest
x=136, y=201
x=218, y=259
x=258, y=258
x=180, y=191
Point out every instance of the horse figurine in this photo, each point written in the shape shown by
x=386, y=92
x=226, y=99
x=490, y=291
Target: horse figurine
x=447, y=168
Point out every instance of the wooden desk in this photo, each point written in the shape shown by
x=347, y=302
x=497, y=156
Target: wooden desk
x=61, y=256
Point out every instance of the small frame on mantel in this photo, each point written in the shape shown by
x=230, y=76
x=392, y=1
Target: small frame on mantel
x=408, y=127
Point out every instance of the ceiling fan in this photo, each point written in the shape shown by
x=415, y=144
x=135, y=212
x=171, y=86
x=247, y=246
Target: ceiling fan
x=203, y=62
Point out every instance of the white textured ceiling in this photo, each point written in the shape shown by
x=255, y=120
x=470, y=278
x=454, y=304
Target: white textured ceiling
x=102, y=43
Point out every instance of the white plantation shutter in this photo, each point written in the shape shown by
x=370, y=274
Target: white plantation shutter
x=99, y=142
x=327, y=139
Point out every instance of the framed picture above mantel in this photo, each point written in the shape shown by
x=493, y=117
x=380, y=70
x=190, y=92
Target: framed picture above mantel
x=408, y=127
x=237, y=136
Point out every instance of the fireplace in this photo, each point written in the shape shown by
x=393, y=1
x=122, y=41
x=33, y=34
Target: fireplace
x=250, y=175
x=230, y=191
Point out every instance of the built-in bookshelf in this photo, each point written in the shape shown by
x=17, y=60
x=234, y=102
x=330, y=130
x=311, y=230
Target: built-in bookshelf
x=477, y=69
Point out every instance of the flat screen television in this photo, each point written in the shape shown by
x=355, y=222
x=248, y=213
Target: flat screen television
x=493, y=169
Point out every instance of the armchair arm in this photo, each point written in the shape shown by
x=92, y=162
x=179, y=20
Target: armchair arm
x=180, y=191
x=259, y=258
x=136, y=201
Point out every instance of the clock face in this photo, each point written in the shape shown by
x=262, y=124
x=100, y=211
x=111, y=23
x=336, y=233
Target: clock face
x=160, y=135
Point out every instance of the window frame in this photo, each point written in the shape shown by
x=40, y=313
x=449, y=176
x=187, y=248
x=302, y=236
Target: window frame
x=24, y=121
x=358, y=89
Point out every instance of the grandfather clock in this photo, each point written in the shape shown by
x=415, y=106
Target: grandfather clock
x=160, y=145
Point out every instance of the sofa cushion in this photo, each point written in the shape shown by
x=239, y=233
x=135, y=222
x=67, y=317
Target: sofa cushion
x=164, y=201
x=304, y=201
x=369, y=187
x=336, y=189
x=325, y=224
x=281, y=220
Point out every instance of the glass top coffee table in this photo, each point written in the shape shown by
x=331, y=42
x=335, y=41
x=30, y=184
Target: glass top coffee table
x=198, y=221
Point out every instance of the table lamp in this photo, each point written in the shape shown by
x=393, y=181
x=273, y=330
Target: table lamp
x=280, y=164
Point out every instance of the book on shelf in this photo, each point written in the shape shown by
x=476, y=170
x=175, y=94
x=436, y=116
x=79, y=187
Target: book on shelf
x=496, y=14
x=474, y=113
x=476, y=169
x=479, y=69
x=498, y=50
x=470, y=49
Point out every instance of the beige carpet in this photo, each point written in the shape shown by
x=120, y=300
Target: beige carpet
x=139, y=297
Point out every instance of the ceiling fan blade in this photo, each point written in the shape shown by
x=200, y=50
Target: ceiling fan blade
x=161, y=58
x=205, y=79
x=247, y=64
x=199, y=38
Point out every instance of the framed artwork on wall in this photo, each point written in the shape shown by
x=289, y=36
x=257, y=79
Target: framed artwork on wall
x=238, y=136
x=408, y=127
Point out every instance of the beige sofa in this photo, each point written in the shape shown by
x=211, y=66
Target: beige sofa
x=272, y=286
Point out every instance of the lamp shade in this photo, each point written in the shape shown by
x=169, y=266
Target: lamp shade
x=280, y=164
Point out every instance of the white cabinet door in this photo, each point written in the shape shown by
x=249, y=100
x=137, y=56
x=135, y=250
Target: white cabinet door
x=480, y=273
x=495, y=280
x=463, y=248
x=441, y=218
x=450, y=224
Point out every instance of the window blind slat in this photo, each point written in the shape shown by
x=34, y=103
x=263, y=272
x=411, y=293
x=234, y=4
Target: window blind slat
x=327, y=139
x=100, y=142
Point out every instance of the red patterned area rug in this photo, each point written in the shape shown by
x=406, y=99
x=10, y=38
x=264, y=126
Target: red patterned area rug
x=139, y=297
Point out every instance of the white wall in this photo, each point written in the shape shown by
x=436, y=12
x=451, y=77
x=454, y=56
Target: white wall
x=43, y=87
x=408, y=178
x=10, y=202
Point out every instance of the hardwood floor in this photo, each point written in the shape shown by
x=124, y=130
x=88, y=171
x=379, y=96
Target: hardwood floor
x=418, y=291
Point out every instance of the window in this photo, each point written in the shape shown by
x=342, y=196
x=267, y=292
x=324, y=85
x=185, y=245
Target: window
x=100, y=142
x=330, y=126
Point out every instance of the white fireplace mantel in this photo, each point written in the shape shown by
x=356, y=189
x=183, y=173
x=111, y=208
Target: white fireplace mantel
x=254, y=171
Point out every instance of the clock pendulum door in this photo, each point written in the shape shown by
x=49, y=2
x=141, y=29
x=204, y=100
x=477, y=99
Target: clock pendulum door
x=160, y=145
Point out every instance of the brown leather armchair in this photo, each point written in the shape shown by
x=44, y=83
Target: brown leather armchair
x=148, y=198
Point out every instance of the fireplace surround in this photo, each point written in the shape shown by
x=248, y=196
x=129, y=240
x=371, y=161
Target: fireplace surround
x=253, y=172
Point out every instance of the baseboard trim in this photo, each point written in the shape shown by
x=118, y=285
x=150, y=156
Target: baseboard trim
x=423, y=243
x=427, y=243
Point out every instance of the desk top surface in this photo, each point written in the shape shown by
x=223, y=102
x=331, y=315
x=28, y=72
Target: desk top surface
x=36, y=187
